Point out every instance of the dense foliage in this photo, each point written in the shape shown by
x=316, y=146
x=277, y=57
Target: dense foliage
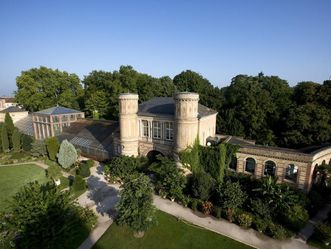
x=263, y=108
x=52, y=145
x=41, y=88
x=41, y=216
x=169, y=180
x=135, y=208
x=67, y=155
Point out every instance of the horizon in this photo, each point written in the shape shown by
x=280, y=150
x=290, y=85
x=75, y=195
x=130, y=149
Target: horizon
x=218, y=40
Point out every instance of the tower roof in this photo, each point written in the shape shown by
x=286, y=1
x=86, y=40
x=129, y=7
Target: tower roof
x=166, y=106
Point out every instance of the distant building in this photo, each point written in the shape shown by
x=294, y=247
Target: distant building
x=15, y=113
x=50, y=122
x=6, y=102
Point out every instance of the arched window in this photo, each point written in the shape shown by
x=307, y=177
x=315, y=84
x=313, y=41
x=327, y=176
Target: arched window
x=291, y=172
x=269, y=168
x=233, y=163
x=250, y=165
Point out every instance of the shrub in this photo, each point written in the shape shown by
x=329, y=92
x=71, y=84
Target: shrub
x=78, y=183
x=276, y=231
x=83, y=170
x=244, y=220
x=67, y=155
x=121, y=167
x=260, y=224
x=89, y=163
x=202, y=185
x=38, y=148
x=52, y=145
x=296, y=217
x=168, y=177
x=232, y=197
x=27, y=142
x=260, y=208
x=217, y=212
x=194, y=204
x=54, y=172
x=323, y=232
x=207, y=207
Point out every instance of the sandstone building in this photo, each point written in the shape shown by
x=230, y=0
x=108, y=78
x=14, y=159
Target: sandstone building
x=168, y=125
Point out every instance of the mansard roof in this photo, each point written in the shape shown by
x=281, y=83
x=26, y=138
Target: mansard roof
x=58, y=110
x=166, y=106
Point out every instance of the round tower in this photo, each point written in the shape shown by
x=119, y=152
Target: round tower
x=128, y=109
x=186, y=116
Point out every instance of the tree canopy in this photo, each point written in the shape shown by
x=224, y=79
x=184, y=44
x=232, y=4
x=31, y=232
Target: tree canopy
x=262, y=108
x=41, y=88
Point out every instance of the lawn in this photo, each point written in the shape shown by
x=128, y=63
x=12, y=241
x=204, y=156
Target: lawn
x=12, y=178
x=170, y=233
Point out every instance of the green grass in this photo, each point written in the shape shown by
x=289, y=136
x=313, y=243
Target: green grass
x=168, y=234
x=12, y=178
x=14, y=157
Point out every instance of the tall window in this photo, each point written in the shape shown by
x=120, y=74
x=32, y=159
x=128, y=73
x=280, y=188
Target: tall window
x=144, y=131
x=250, y=165
x=156, y=129
x=169, y=131
x=269, y=168
x=291, y=172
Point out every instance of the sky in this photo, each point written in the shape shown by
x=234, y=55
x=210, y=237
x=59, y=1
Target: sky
x=218, y=39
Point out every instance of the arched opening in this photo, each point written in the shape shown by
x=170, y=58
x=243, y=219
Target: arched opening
x=233, y=163
x=269, y=168
x=152, y=155
x=291, y=172
x=250, y=165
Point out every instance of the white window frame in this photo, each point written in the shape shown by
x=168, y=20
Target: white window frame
x=169, y=131
x=144, y=128
x=156, y=129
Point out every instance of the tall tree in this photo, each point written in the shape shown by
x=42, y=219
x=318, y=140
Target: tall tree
x=10, y=128
x=52, y=145
x=4, y=139
x=16, y=139
x=40, y=88
x=135, y=208
x=42, y=216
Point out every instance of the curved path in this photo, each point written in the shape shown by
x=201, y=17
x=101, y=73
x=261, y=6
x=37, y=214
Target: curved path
x=102, y=197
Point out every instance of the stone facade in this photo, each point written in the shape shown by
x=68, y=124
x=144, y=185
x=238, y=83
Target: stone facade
x=141, y=133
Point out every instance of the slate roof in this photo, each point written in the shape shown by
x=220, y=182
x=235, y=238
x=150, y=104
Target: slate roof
x=12, y=109
x=96, y=134
x=25, y=125
x=57, y=110
x=166, y=106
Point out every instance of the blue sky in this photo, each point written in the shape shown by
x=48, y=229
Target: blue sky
x=219, y=39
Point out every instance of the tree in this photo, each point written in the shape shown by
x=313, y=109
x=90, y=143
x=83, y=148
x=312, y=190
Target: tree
x=67, y=155
x=52, y=145
x=16, y=140
x=38, y=148
x=4, y=139
x=41, y=88
x=169, y=178
x=231, y=197
x=135, y=208
x=27, y=142
x=97, y=103
x=42, y=216
x=1, y=126
x=54, y=172
x=121, y=167
x=202, y=185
